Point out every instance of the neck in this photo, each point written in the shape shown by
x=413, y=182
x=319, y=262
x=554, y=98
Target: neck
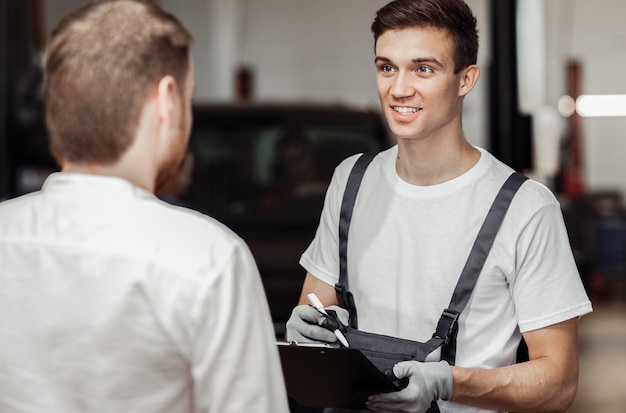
x=429, y=162
x=118, y=170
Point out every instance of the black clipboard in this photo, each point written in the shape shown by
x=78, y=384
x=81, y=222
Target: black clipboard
x=321, y=376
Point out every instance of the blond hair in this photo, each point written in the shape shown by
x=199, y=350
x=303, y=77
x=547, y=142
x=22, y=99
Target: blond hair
x=102, y=63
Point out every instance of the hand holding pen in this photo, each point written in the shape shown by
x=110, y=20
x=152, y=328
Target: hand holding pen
x=317, y=304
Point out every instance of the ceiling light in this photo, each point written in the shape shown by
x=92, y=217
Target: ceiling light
x=601, y=105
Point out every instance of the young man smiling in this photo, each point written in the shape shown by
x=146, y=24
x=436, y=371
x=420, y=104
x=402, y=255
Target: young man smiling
x=417, y=214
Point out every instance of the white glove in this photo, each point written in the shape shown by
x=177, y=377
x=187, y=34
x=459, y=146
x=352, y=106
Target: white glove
x=427, y=382
x=306, y=324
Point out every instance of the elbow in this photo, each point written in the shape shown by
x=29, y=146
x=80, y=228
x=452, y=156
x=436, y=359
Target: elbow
x=557, y=395
x=562, y=398
x=568, y=390
x=567, y=396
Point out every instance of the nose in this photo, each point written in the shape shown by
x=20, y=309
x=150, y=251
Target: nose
x=401, y=86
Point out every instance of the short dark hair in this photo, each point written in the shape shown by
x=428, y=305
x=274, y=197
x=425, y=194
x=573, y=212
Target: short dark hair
x=102, y=63
x=455, y=16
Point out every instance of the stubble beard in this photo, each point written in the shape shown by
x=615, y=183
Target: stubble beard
x=177, y=152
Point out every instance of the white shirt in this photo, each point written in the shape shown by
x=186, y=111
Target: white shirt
x=113, y=301
x=408, y=244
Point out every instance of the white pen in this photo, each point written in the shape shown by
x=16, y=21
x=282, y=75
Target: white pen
x=320, y=307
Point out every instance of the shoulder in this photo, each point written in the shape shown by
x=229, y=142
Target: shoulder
x=188, y=237
x=380, y=159
x=531, y=193
x=17, y=202
x=538, y=194
x=12, y=211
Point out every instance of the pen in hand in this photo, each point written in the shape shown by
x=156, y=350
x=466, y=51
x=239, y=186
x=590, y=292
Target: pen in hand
x=320, y=307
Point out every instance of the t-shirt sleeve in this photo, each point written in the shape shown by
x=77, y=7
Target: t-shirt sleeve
x=547, y=288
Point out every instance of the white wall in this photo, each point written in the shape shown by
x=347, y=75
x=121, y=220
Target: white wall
x=594, y=33
x=317, y=50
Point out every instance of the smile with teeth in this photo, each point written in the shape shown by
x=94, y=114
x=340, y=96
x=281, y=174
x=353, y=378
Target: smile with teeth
x=405, y=110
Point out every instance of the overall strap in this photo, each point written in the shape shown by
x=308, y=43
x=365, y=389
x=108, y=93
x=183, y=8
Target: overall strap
x=344, y=296
x=447, y=327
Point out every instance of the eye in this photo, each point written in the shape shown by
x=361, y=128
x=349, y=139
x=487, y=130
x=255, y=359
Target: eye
x=424, y=70
x=386, y=68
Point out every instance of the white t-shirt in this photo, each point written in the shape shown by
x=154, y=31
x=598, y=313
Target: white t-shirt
x=114, y=301
x=408, y=244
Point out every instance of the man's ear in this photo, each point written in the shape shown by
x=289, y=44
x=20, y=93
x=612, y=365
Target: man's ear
x=167, y=95
x=469, y=77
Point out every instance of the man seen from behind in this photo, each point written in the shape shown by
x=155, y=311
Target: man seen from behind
x=110, y=299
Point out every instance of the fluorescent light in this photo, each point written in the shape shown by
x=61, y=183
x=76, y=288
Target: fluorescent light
x=601, y=105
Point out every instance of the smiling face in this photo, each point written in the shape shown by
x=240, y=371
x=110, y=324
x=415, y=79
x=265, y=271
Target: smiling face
x=420, y=94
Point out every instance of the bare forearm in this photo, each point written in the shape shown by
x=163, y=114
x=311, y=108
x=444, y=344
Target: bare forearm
x=546, y=383
x=535, y=386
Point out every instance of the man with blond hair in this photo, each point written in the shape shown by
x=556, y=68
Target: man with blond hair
x=110, y=299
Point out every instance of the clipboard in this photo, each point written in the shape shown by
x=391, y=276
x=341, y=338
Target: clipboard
x=317, y=375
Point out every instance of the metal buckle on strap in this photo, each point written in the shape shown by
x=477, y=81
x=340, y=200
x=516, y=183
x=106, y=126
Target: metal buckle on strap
x=341, y=293
x=447, y=325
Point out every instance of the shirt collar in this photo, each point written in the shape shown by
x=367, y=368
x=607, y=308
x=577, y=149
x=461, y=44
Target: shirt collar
x=62, y=181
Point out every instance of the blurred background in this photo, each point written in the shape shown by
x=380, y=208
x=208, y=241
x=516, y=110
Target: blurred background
x=270, y=73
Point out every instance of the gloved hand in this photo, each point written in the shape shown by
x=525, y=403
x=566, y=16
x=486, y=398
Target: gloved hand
x=306, y=324
x=427, y=382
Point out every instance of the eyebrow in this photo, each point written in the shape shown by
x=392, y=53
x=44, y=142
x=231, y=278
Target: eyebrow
x=416, y=61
